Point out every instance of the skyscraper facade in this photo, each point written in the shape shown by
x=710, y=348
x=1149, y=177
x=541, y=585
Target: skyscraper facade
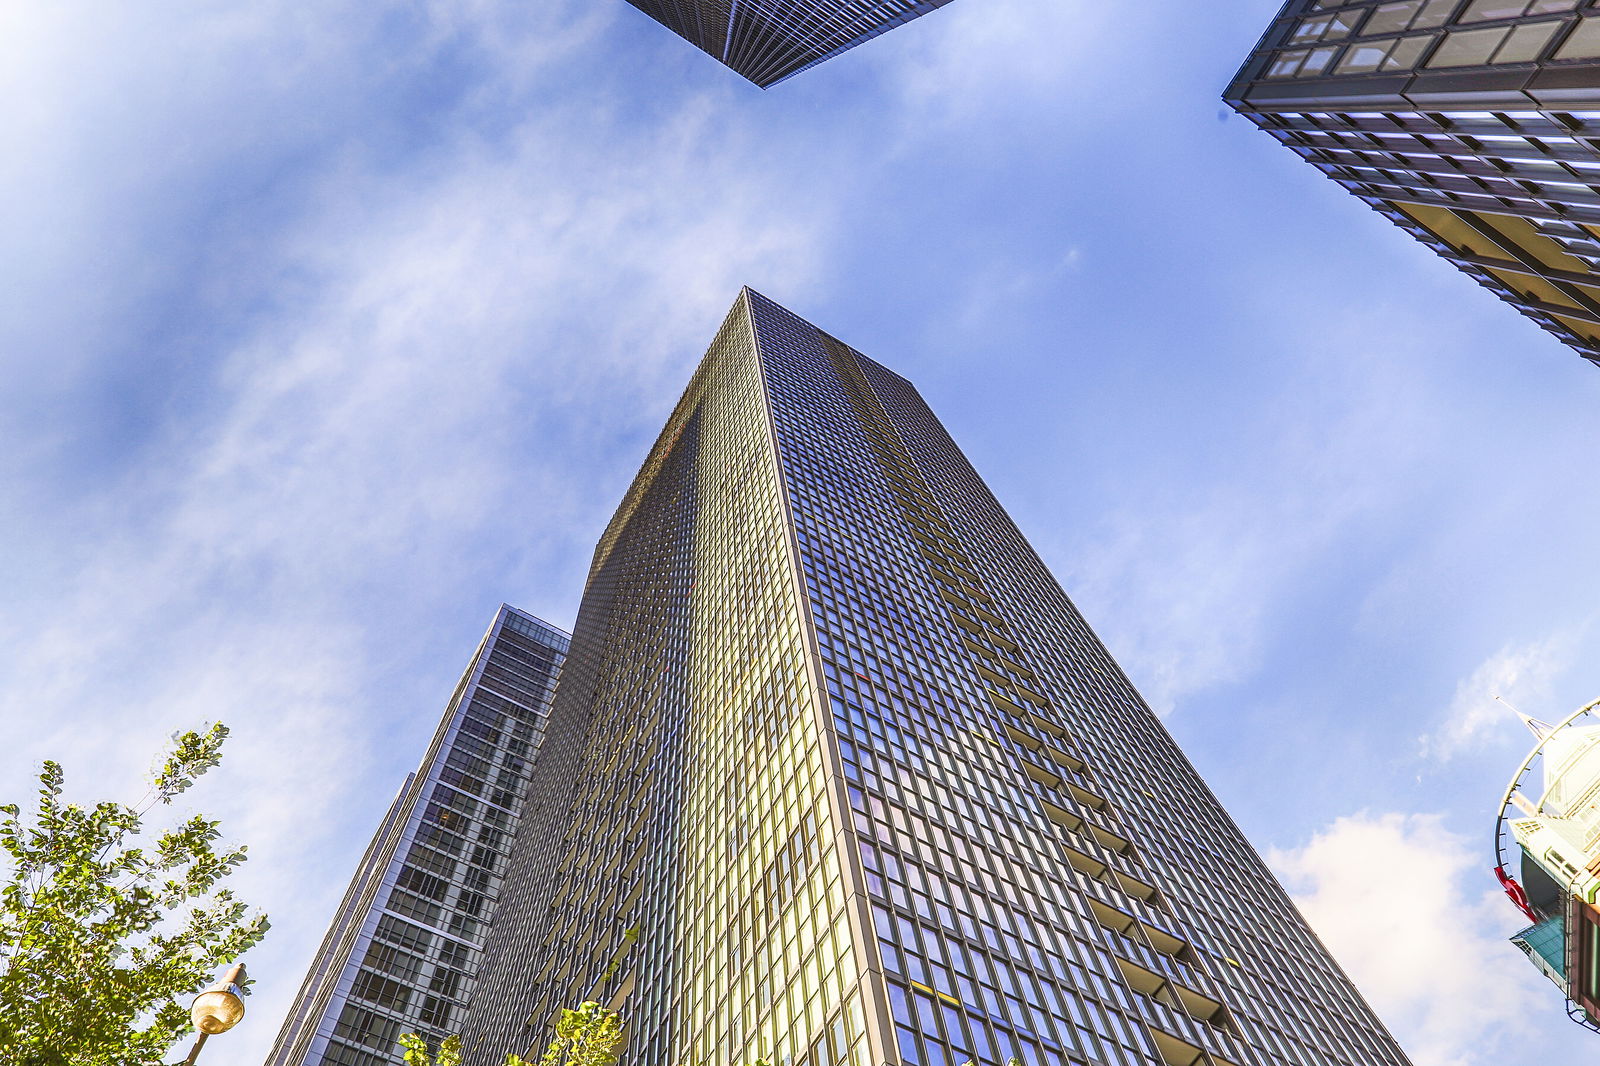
x=837, y=774
x=1474, y=125
x=403, y=948
x=770, y=40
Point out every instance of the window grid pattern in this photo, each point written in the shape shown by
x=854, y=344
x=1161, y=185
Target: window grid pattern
x=403, y=950
x=954, y=834
x=1360, y=38
x=1245, y=945
x=1510, y=193
x=688, y=872
x=769, y=40
x=1025, y=900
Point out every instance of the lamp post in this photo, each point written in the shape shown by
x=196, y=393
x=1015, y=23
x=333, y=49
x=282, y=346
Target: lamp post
x=217, y=1009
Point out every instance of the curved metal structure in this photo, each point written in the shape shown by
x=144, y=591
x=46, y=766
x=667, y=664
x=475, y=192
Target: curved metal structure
x=1522, y=771
x=1513, y=797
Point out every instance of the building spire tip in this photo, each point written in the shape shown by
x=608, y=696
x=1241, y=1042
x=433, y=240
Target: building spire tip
x=1539, y=729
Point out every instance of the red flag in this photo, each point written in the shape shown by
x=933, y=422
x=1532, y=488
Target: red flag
x=1514, y=890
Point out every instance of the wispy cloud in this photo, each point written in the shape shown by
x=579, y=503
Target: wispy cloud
x=1191, y=572
x=328, y=327
x=1521, y=675
x=376, y=399
x=969, y=54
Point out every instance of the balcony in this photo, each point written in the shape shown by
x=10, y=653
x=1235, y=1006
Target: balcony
x=1545, y=944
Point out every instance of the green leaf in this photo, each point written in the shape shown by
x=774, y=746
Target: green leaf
x=105, y=935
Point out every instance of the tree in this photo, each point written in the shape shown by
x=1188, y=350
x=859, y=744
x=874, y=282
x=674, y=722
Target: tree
x=588, y=1036
x=102, y=941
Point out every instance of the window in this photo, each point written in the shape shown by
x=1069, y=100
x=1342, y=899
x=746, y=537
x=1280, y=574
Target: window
x=1525, y=43
x=1405, y=53
x=360, y=1026
x=1317, y=62
x=1362, y=58
x=434, y=1011
x=422, y=884
x=1480, y=10
x=1433, y=13
x=1583, y=42
x=343, y=1055
x=382, y=991
x=1467, y=48
x=1325, y=28
x=1391, y=18
x=1471, y=48
x=1286, y=64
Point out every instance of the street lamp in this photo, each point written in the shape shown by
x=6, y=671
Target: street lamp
x=217, y=1009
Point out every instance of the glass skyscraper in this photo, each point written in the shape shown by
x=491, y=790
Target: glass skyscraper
x=837, y=774
x=403, y=948
x=770, y=40
x=1472, y=124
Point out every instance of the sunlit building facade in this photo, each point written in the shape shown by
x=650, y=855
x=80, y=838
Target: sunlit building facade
x=403, y=948
x=1472, y=124
x=837, y=774
x=770, y=40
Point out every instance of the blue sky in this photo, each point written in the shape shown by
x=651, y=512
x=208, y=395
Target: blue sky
x=326, y=331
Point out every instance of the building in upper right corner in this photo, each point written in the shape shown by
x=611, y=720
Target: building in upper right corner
x=767, y=41
x=1472, y=124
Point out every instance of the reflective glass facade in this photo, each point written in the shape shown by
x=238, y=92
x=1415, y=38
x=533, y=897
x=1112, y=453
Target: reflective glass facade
x=770, y=40
x=403, y=950
x=1472, y=124
x=836, y=774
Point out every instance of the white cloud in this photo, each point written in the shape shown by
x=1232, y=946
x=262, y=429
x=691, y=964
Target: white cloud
x=958, y=60
x=404, y=290
x=1522, y=675
x=414, y=370
x=1181, y=599
x=1402, y=903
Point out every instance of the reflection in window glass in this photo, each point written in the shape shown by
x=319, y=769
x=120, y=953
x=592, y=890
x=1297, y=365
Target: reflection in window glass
x=1310, y=30
x=1434, y=13
x=1317, y=62
x=1544, y=7
x=1479, y=10
x=1362, y=58
x=1467, y=48
x=1406, y=52
x=1391, y=18
x=1583, y=42
x=1342, y=24
x=1325, y=27
x=1526, y=42
x=1285, y=65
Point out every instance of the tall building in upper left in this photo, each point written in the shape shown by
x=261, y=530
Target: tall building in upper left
x=768, y=40
x=402, y=951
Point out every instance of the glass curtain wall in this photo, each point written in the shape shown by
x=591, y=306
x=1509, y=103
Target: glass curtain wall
x=837, y=774
x=403, y=950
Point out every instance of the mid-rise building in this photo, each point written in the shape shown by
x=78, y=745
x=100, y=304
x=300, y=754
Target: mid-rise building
x=403, y=948
x=770, y=40
x=837, y=774
x=1555, y=881
x=1474, y=125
